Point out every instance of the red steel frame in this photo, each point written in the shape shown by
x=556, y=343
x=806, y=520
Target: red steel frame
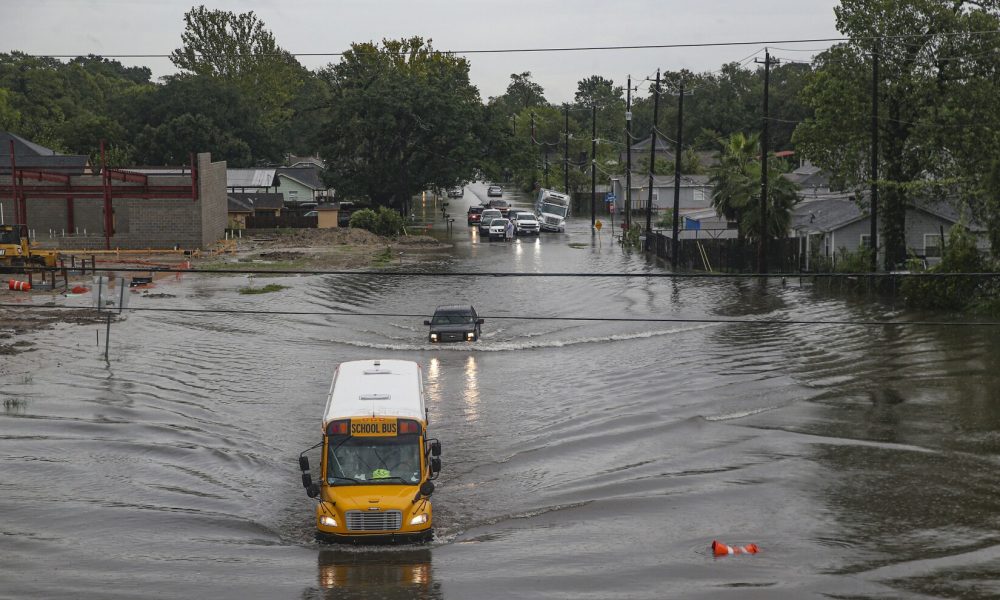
x=63, y=188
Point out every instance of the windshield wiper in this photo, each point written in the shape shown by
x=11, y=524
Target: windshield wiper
x=347, y=479
x=385, y=478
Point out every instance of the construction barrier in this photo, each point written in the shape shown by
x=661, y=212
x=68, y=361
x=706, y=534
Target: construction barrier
x=720, y=549
x=19, y=286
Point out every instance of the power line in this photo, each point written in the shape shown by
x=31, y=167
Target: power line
x=867, y=323
x=590, y=48
x=656, y=275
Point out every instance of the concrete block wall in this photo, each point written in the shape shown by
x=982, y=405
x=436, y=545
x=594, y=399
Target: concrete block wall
x=213, y=200
x=139, y=222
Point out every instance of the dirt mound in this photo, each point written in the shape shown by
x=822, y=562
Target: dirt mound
x=279, y=255
x=312, y=238
x=417, y=240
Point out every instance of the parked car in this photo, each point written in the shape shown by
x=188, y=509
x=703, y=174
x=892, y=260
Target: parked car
x=525, y=223
x=456, y=192
x=475, y=214
x=344, y=216
x=498, y=229
x=494, y=190
x=311, y=213
x=454, y=323
x=486, y=218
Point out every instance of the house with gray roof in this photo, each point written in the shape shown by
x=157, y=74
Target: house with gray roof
x=835, y=222
x=695, y=192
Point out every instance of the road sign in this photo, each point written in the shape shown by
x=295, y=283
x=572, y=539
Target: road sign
x=609, y=197
x=598, y=225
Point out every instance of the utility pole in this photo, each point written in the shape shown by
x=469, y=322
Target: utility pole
x=675, y=243
x=874, y=198
x=652, y=158
x=514, y=126
x=765, y=143
x=566, y=149
x=628, y=156
x=593, y=165
x=546, y=166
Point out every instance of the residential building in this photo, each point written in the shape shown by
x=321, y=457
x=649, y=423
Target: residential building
x=695, y=193
x=835, y=222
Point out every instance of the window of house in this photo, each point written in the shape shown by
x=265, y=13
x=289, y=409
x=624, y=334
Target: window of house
x=293, y=194
x=699, y=196
x=866, y=240
x=932, y=245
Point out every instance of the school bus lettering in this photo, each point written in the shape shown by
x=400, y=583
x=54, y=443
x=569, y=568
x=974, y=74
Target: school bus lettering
x=367, y=428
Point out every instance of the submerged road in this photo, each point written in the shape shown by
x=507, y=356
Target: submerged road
x=581, y=459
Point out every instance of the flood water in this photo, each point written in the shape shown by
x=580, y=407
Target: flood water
x=581, y=459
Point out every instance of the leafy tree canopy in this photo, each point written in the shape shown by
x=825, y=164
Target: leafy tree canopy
x=403, y=118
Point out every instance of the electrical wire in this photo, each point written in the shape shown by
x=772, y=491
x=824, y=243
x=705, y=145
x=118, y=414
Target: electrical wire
x=877, y=323
x=592, y=48
x=654, y=275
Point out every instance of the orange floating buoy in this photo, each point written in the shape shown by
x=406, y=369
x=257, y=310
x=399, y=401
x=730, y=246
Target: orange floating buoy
x=19, y=286
x=720, y=549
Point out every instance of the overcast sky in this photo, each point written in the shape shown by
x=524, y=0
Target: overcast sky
x=311, y=26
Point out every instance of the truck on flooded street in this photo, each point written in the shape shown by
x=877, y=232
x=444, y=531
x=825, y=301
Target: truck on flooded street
x=377, y=464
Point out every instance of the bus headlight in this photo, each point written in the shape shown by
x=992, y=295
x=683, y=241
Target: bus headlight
x=328, y=521
x=419, y=519
x=434, y=337
x=470, y=336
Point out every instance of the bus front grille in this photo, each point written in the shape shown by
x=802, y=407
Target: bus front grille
x=358, y=520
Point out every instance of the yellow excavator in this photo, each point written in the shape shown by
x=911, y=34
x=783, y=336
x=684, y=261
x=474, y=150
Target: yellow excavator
x=16, y=249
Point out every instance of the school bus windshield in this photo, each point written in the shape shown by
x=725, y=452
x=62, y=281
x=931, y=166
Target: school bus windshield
x=373, y=460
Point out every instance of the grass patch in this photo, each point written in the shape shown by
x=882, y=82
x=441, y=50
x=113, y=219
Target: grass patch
x=271, y=287
x=383, y=258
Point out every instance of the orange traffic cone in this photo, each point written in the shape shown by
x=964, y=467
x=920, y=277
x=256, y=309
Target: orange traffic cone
x=19, y=286
x=720, y=549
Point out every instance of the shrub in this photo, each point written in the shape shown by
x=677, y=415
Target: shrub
x=364, y=219
x=388, y=223
x=949, y=293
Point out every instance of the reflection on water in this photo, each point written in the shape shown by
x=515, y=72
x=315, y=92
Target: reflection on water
x=377, y=573
x=471, y=394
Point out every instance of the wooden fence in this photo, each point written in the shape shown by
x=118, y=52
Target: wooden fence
x=285, y=220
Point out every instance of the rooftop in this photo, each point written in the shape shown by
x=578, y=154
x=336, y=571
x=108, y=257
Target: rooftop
x=365, y=388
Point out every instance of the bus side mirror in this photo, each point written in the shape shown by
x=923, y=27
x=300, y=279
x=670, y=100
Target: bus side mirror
x=435, y=466
x=426, y=489
x=312, y=491
x=307, y=480
x=427, y=322
x=435, y=448
x=303, y=463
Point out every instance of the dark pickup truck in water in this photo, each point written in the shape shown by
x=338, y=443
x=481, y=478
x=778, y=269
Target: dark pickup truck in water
x=454, y=323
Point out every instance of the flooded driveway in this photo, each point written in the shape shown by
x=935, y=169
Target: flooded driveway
x=582, y=459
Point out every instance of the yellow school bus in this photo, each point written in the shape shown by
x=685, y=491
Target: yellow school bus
x=377, y=462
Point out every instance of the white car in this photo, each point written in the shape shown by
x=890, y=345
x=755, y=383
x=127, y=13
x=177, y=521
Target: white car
x=487, y=217
x=525, y=223
x=498, y=229
x=494, y=191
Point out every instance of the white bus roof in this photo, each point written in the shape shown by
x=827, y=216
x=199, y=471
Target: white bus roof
x=381, y=388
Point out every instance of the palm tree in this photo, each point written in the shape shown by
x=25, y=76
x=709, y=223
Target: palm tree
x=736, y=189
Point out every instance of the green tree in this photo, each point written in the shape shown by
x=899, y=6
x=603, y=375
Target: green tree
x=403, y=118
x=937, y=109
x=522, y=92
x=736, y=189
x=198, y=114
x=238, y=48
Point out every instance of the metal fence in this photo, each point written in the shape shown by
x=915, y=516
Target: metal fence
x=728, y=255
